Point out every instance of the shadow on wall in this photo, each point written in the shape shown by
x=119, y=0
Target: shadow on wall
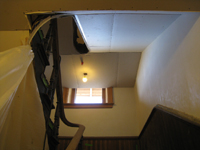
x=143, y=111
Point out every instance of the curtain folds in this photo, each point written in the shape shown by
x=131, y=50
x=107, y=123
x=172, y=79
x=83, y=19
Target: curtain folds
x=22, y=124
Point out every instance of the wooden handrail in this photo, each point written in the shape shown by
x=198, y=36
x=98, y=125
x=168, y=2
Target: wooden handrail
x=77, y=137
x=179, y=114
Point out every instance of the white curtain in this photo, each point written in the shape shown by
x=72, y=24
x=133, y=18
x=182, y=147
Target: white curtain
x=22, y=124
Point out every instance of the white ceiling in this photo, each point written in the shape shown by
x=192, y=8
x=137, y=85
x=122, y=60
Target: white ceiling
x=122, y=32
x=103, y=69
x=115, y=42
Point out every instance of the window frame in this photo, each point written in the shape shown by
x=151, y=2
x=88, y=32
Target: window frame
x=107, y=99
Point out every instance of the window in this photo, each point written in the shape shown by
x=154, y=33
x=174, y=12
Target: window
x=88, y=97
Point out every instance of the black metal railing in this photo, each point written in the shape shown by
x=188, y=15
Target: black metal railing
x=42, y=47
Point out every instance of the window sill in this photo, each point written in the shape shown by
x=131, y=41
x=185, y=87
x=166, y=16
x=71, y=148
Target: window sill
x=106, y=105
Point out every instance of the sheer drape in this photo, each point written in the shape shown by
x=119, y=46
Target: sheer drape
x=22, y=124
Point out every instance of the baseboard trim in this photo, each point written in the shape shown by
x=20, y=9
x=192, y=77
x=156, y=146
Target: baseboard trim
x=103, y=138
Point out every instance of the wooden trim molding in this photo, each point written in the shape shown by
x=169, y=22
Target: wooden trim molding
x=107, y=98
x=105, y=105
x=103, y=95
x=65, y=94
x=104, y=143
x=103, y=138
x=73, y=95
x=110, y=94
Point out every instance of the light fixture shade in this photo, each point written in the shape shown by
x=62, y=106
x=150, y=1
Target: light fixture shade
x=84, y=77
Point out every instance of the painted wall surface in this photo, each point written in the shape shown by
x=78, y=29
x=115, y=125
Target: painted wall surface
x=12, y=12
x=116, y=121
x=11, y=39
x=169, y=71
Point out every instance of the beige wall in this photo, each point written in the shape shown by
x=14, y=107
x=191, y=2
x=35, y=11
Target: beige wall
x=116, y=121
x=10, y=39
x=169, y=71
x=12, y=12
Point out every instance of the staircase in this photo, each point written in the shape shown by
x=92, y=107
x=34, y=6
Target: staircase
x=42, y=47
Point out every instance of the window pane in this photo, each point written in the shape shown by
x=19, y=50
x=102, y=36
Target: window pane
x=83, y=92
x=89, y=95
x=87, y=100
x=97, y=92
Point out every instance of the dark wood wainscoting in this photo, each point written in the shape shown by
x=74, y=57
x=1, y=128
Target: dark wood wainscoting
x=103, y=143
x=168, y=129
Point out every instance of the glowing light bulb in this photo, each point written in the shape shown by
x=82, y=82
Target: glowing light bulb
x=84, y=77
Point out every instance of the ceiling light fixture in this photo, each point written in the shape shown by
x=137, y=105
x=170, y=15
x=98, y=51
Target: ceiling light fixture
x=85, y=77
